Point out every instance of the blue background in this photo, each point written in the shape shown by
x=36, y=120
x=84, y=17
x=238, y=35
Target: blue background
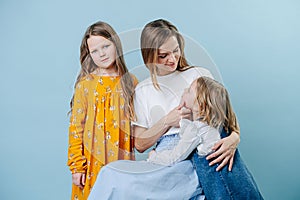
x=255, y=45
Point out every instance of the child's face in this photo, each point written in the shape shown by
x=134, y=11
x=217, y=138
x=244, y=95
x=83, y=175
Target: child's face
x=189, y=96
x=102, y=51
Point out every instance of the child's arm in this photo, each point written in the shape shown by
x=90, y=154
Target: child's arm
x=190, y=138
x=76, y=160
x=209, y=138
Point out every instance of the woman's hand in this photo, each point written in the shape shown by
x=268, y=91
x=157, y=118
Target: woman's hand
x=178, y=113
x=78, y=179
x=225, y=150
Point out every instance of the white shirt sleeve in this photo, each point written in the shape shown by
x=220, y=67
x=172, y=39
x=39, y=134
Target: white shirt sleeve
x=140, y=109
x=190, y=137
x=203, y=72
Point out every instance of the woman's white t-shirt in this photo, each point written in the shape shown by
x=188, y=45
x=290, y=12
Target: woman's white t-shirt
x=151, y=104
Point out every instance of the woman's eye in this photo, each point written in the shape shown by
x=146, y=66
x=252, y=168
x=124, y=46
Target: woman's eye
x=106, y=46
x=93, y=52
x=176, y=50
x=162, y=56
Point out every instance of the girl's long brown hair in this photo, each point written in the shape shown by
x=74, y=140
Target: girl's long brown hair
x=88, y=66
x=154, y=35
x=214, y=105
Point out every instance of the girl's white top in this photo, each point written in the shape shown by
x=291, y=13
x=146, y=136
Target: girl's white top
x=193, y=135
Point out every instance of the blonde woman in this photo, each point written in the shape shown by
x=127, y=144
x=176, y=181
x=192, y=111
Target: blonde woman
x=157, y=99
x=211, y=111
x=101, y=107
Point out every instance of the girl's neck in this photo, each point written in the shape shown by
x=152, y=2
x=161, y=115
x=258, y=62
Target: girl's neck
x=106, y=72
x=196, y=116
x=196, y=113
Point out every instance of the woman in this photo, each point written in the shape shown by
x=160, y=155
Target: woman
x=158, y=113
x=163, y=53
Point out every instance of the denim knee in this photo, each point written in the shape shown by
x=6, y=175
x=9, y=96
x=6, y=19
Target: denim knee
x=237, y=184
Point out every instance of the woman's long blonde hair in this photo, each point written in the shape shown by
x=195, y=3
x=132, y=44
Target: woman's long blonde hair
x=154, y=35
x=88, y=66
x=214, y=105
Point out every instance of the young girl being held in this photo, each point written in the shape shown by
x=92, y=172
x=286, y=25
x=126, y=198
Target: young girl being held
x=212, y=112
x=101, y=108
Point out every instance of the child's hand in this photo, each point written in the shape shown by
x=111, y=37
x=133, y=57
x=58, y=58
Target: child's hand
x=78, y=179
x=151, y=153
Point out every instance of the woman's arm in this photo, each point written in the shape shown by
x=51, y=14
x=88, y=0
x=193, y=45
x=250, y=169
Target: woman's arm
x=145, y=138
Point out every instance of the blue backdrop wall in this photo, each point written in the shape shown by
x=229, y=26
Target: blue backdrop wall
x=255, y=45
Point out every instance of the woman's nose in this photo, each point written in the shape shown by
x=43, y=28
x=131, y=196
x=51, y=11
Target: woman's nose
x=172, y=57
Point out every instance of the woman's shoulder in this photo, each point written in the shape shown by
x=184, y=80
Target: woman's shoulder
x=197, y=70
x=200, y=69
x=145, y=83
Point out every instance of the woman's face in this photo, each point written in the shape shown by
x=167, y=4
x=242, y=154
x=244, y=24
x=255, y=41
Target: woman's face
x=168, y=56
x=189, y=96
x=102, y=51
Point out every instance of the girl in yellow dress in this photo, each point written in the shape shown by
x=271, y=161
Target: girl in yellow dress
x=101, y=109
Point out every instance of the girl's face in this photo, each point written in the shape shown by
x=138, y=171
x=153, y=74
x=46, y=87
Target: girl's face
x=102, y=51
x=189, y=96
x=168, y=56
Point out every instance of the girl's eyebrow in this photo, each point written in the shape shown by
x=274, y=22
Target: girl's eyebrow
x=92, y=50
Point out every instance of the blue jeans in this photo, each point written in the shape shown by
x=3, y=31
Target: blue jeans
x=167, y=142
x=237, y=184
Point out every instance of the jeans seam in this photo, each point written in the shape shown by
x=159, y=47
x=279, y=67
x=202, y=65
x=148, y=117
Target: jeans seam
x=225, y=185
x=220, y=174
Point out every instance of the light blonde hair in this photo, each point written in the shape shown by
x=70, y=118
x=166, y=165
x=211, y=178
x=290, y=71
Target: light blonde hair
x=154, y=35
x=88, y=66
x=214, y=105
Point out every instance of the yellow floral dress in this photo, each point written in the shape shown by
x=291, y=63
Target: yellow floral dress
x=99, y=132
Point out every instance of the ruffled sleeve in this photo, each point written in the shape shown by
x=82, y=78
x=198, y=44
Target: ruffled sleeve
x=189, y=140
